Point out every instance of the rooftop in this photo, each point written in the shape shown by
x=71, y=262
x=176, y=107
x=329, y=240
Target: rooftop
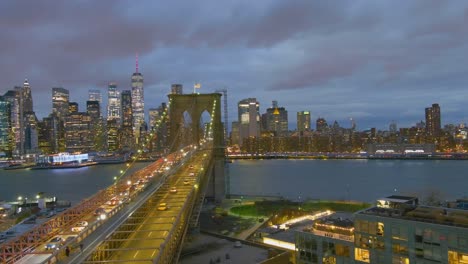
x=407, y=208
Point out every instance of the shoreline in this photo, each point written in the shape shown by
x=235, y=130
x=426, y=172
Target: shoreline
x=230, y=159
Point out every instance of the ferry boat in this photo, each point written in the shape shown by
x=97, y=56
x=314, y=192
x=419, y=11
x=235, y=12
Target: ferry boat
x=63, y=160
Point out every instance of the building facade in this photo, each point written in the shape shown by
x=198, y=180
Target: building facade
x=6, y=135
x=396, y=230
x=249, y=119
x=303, y=121
x=138, y=101
x=276, y=120
x=433, y=125
x=17, y=129
x=113, y=103
x=60, y=101
x=127, y=135
x=78, y=134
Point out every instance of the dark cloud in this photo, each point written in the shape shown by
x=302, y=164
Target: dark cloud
x=340, y=58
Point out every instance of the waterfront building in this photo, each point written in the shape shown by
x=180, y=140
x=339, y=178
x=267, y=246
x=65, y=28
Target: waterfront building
x=327, y=240
x=433, y=125
x=6, y=135
x=72, y=108
x=276, y=120
x=249, y=119
x=396, y=230
x=303, y=121
x=176, y=89
x=78, y=132
x=406, y=149
x=60, y=101
x=13, y=97
x=113, y=103
x=127, y=135
x=138, y=101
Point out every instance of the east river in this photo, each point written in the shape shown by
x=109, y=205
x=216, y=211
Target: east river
x=362, y=180
x=65, y=184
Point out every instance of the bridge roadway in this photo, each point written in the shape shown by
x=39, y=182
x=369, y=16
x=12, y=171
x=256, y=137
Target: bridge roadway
x=31, y=246
x=152, y=233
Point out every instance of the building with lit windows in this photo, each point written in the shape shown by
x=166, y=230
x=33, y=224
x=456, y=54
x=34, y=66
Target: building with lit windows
x=95, y=95
x=6, y=135
x=127, y=135
x=60, y=101
x=249, y=119
x=176, y=89
x=113, y=103
x=276, y=120
x=78, y=133
x=433, y=126
x=303, y=121
x=138, y=101
x=72, y=108
x=13, y=97
x=396, y=230
x=113, y=141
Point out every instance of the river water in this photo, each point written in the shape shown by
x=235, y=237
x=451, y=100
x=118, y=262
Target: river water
x=361, y=180
x=65, y=184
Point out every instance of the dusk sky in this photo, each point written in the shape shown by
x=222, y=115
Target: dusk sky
x=374, y=61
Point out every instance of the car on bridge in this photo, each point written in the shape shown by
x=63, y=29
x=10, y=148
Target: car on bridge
x=186, y=182
x=80, y=226
x=54, y=243
x=173, y=190
x=162, y=207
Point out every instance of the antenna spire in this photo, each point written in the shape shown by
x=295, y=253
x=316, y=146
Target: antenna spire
x=136, y=62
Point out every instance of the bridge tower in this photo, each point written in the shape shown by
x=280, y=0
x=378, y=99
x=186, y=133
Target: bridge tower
x=195, y=105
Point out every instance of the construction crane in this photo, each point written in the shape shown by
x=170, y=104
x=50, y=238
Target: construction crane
x=224, y=92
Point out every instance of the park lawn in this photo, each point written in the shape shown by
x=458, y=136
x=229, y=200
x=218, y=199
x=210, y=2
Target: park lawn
x=269, y=208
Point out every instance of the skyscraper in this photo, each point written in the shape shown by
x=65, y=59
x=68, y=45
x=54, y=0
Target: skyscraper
x=6, y=137
x=60, y=101
x=303, y=121
x=138, y=101
x=126, y=105
x=321, y=124
x=249, y=118
x=27, y=97
x=433, y=124
x=93, y=109
x=127, y=137
x=276, y=120
x=95, y=95
x=113, y=103
x=176, y=89
x=13, y=97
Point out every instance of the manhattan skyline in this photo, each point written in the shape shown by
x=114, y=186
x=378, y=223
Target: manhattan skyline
x=352, y=59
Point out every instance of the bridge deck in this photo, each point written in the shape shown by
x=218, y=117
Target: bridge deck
x=144, y=235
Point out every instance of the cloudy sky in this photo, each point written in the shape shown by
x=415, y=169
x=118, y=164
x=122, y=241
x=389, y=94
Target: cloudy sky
x=374, y=61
